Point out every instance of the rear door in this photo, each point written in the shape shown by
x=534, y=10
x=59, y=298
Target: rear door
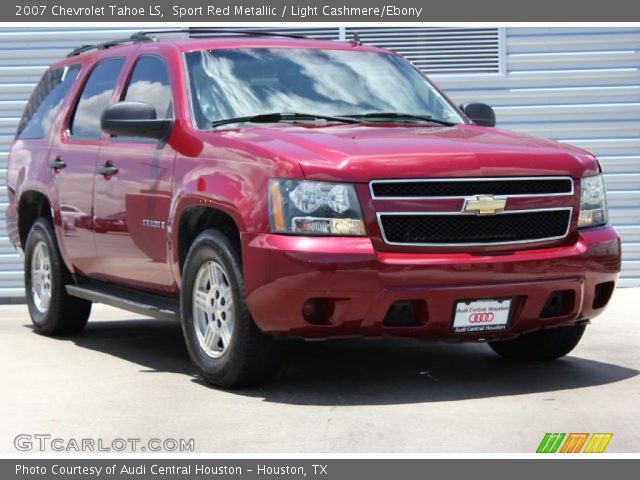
x=132, y=205
x=29, y=158
x=76, y=152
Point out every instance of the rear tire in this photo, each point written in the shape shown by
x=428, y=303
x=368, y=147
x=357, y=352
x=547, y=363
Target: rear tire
x=541, y=345
x=53, y=311
x=223, y=341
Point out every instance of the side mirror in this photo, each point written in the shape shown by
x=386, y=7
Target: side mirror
x=480, y=113
x=134, y=119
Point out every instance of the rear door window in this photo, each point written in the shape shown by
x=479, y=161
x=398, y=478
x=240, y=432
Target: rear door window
x=95, y=97
x=45, y=103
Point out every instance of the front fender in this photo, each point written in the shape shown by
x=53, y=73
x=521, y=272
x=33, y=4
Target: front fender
x=245, y=204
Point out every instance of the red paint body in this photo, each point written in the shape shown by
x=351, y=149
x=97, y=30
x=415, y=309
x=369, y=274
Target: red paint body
x=98, y=221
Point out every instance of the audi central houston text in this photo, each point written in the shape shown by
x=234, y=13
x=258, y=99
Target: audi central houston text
x=258, y=187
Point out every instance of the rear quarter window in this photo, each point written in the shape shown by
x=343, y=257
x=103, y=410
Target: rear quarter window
x=45, y=103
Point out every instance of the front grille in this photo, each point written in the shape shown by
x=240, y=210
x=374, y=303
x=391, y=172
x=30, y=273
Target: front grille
x=458, y=229
x=465, y=188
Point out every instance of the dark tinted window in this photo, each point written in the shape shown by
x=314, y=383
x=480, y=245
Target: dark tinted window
x=149, y=83
x=45, y=102
x=95, y=98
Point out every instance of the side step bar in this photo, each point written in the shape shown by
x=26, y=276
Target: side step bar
x=136, y=301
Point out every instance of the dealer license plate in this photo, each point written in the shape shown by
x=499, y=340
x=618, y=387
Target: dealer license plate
x=481, y=315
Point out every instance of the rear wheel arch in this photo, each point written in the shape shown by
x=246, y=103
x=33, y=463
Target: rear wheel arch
x=32, y=206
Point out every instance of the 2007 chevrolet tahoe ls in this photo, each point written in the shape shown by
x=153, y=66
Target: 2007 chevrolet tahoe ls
x=261, y=186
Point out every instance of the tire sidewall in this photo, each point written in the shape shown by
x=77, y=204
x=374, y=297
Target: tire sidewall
x=211, y=246
x=42, y=232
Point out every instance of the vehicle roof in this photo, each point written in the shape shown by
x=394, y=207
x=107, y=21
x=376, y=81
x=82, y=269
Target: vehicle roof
x=212, y=43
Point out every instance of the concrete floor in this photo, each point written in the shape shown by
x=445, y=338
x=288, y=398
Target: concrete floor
x=127, y=376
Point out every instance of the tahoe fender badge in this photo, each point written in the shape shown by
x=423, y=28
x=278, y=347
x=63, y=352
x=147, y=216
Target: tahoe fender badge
x=153, y=223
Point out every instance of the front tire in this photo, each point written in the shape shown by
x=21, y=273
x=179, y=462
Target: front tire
x=223, y=341
x=541, y=345
x=53, y=311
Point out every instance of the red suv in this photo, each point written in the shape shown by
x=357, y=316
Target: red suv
x=260, y=186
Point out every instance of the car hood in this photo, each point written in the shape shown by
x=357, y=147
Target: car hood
x=359, y=153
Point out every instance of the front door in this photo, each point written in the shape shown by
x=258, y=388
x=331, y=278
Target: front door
x=133, y=192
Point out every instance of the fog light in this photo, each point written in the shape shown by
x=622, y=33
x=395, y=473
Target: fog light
x=558, y=304
x=602, y=294
x=318, y=311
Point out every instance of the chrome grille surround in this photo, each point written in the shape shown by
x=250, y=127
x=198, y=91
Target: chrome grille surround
x=422, y=214
x=373, y=183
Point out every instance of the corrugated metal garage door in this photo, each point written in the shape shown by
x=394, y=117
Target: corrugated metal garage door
x=25, y=53
x=579, y=85
x=435, y=50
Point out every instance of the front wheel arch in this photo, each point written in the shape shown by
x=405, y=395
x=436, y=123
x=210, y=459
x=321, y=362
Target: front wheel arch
x=196, y=219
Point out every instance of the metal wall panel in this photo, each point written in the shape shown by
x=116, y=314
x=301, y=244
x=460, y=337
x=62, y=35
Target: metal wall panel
x=580, y=86
x=25, y=53
x=576, y=85
x=434, y=49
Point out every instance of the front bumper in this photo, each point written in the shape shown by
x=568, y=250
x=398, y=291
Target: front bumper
x=360, y=284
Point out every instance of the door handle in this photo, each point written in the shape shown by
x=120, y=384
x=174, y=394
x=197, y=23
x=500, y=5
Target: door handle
x=57, y=163
x=107, y=170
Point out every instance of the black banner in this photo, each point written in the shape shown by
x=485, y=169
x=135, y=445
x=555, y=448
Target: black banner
x=334, y=11
x=201, y=469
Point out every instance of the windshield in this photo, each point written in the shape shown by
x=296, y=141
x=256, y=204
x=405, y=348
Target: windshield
x=245, y=82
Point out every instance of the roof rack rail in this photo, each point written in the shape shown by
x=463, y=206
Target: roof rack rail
x=149, y=36
x=218, y=31
x=109, y=44
x=356, y=39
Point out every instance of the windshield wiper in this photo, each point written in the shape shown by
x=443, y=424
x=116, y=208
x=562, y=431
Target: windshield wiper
x=281, y=117
x=402, y=116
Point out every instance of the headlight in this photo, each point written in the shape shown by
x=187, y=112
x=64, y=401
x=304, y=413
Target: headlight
x=314, y=208
x=593, y=202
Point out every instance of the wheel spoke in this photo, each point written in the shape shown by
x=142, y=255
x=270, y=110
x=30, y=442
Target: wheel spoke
x=224, y=288
x=36, y=278
x=41, y=277
x=229, y=321
x=225, y=334
x=212, y=309
x=211, y=337
x=44, y=300
x=228, y=300
x=213, y=277
x=202, y=301
x=220, y=277
x=202, y=320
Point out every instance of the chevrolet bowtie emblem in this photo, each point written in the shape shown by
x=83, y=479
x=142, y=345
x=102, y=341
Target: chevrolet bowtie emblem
x=484, y=205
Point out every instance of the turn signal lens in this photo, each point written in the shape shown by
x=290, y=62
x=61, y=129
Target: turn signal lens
x=593, y=202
